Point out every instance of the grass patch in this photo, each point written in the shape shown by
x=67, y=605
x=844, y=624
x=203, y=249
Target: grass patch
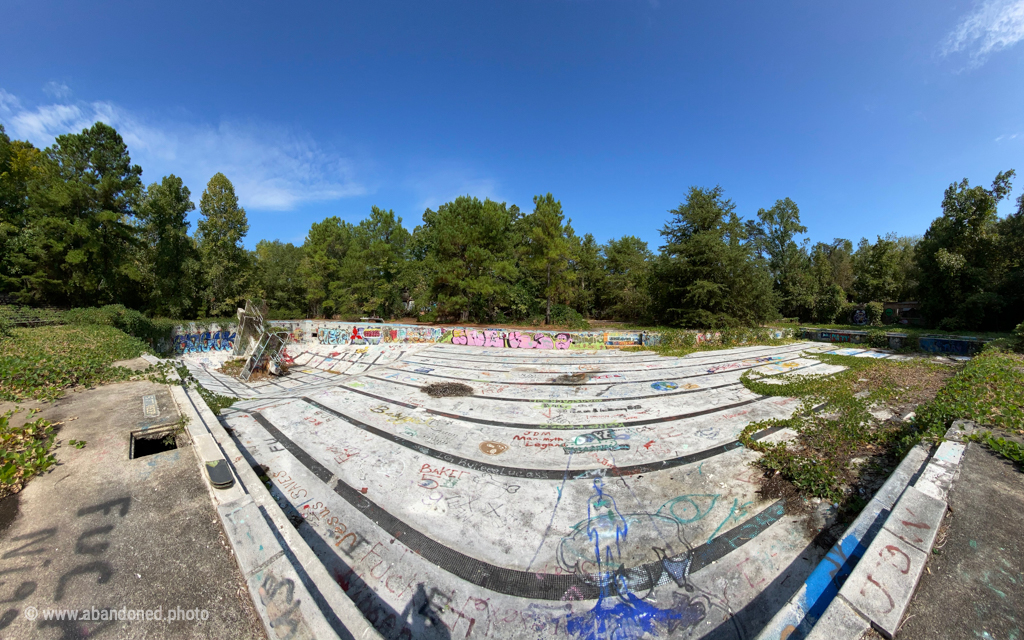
x=40, y=363
x=25, y=451
x=681, y=342
x=845, y=449
x=989, y=391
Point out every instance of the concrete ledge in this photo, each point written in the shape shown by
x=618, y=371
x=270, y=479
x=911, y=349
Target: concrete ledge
x=813, y=598
x=940, y=473
x=840, y=621
x=204, y=446
x=259, y=533
x=882, y=585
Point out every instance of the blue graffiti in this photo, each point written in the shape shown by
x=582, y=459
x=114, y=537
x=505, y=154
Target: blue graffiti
x=629, y=617
x=205, y=341
x=619, y=613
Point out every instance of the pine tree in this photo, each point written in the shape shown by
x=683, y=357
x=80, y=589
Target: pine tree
x=81, y=230
x=549, y=249
x=172, y=260
x=219, y=234
x=708, y=272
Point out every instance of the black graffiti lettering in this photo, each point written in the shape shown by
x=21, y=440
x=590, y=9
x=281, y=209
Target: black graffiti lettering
x=24, y=590
x=100, y=567
x=9, y=616
x=72, y=630
x=95, y=548
x=105, y=507
x=36, y=537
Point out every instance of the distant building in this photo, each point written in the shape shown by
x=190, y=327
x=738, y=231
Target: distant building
x=902, y=312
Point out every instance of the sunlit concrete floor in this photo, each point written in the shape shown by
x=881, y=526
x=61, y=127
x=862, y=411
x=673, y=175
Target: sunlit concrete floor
x=617, y=503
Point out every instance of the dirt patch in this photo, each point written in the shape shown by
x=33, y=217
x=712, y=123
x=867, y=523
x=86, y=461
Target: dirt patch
x=232, y=367
x=571, y=378
x=909, y=385
x=774, y=486
x=447, y=389
x=8, y=510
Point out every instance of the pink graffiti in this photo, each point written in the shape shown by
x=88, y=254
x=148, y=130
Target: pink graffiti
x=493, y=339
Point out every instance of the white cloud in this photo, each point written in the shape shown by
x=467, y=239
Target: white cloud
x=8, y=103
x=1006, y=136
x=993, y=25
x=57, y=90
x=272, y=168
x=445, y=184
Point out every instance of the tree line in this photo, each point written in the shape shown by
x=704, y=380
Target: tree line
x=79, y=228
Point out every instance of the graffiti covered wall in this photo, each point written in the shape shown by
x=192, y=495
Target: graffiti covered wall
x=193, y=340
x=190, y=339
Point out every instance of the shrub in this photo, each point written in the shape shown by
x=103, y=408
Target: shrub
x=1018, y=334
x=875, y=310
x=830, y=305
x=565, y=316
x=120, y=317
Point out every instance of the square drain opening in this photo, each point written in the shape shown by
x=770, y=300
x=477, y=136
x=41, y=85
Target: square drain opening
x=147, y=443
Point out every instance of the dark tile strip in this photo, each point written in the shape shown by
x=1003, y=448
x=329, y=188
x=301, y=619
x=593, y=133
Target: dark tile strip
x=526, y=584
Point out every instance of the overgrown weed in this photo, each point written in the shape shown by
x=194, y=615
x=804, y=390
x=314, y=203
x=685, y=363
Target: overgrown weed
x=41, y=363
x=214, y=401
x=25, y=451
x=843, y=448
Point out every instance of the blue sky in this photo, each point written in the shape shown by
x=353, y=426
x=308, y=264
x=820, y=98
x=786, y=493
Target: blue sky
x=863, y=113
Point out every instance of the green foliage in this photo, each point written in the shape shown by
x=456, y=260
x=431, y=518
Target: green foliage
x=590, y=278
x=885, y=270
x=80, y=239
x=78, y=229
x=627, y=281
x=549, y=243
x=214, y=401
x=219, y=233
x=680, y=342
x=772, y=237
x=40, y=363
x=969, y=262
x=374, y=271
x=325, y=249
x=818, y=462
x=568, y=318
x=152, y=330
x=78, y=444
x=830, y=306
x=25, y=451
x=277, y=266
x=874, y=312
x=989, y=391
x=173, y=272
x=1009, y=449
x=707, y=274
x=469, y=249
